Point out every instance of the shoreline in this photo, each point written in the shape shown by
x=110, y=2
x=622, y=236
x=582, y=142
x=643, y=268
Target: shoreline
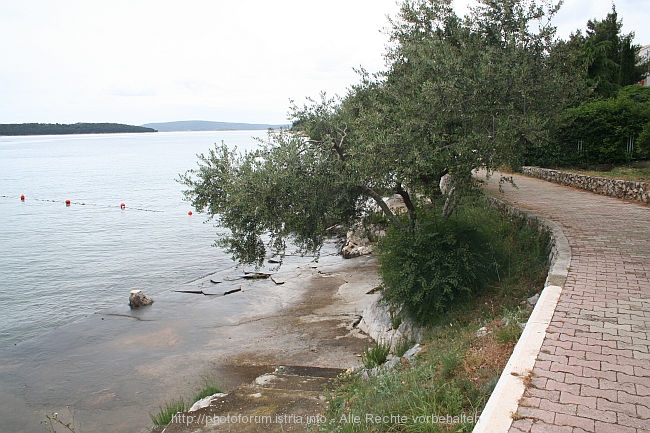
x=118, y=365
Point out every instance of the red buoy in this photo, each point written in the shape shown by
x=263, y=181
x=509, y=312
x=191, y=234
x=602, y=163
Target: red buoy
x=122, y=206
x=22, y=197
x=67, y=202
x=189, y=213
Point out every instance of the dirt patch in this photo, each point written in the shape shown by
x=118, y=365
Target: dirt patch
x=486, y=356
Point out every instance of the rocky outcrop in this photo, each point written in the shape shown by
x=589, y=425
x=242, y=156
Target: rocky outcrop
x=138, y=299
x=361, y=241
x=384, y=327
x=356, y=245
x=623, y=189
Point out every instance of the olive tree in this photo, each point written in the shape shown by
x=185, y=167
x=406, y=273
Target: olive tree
x=288, y=188
x=458, y=94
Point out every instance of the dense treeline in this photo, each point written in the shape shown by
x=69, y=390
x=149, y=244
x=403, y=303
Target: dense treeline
x=601, y=131
x=76, y=128
x=610, y=123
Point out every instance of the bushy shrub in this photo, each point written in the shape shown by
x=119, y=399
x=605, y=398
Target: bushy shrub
x=438, y=262
x=598, y=132
x=436, y=266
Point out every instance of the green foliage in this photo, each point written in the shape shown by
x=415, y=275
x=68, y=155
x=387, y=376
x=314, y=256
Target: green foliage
x=209, y=388
x=511, y=330
x=604, y=129
x=457, y=95
x=437, y=263
x=441, y=263
x=402, y=346
x=169, y=409
x=289, y=189
x=453, y=375
x=631, y=173
x=375, y=355
x=471, y=93
x=401, y=401
x=167, y=412
x=598, y=130
x=508, y=334
x=449, y=361
x=610, y=56
x=401, y=398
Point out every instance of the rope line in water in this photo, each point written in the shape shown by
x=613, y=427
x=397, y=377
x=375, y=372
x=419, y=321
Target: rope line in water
x=69, y=203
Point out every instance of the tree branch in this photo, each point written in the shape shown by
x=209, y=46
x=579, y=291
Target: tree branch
x=382, y=204
x=338, y=147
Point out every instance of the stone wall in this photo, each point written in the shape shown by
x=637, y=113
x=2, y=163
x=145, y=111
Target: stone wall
x=628, y=190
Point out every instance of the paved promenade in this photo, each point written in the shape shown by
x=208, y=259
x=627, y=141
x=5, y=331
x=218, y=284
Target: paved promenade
x=593, y=370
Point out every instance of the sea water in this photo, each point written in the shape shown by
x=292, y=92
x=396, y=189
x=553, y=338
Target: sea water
x=59, y=263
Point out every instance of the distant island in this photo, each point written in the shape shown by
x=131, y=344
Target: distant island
x=76, y=128
x=111, y=128
x=204, y=125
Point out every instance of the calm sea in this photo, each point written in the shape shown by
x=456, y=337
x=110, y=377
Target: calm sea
x=60, y=263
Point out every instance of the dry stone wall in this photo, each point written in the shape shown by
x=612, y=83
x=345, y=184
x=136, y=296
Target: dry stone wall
x=628, y=190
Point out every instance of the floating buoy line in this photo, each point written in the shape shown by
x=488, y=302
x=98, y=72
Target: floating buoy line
x=69, y=203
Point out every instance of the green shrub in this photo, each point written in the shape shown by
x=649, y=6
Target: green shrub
x=443, y=262
x=453, y=375
x=603, y=128
x=439, y=262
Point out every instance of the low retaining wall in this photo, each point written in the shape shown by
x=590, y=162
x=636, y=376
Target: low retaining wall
x=628, y=190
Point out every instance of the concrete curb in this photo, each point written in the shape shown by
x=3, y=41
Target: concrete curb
x=504, y=401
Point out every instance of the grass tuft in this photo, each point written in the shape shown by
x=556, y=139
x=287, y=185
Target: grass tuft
x=375, y=355
x=402, y=346
x=209, y=388
x=167, y=411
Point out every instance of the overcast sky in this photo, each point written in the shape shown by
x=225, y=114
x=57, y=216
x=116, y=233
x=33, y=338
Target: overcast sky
x=140, y=61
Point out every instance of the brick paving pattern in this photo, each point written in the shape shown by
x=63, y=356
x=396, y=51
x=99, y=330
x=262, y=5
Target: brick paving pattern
x=593, y=371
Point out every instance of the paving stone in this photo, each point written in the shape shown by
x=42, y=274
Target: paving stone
x=595, y=414
x=553, y=396
x=609, y=394
x=575, y=421
x=541, y=427
x=619, y=408
x=536, y=414
x=606, y=427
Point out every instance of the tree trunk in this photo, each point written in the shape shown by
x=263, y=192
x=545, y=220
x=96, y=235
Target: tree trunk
x=382, y=204
x=410, y=207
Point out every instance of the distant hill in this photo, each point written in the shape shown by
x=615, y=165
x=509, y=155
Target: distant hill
x=75, y=128
x=204, y=125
